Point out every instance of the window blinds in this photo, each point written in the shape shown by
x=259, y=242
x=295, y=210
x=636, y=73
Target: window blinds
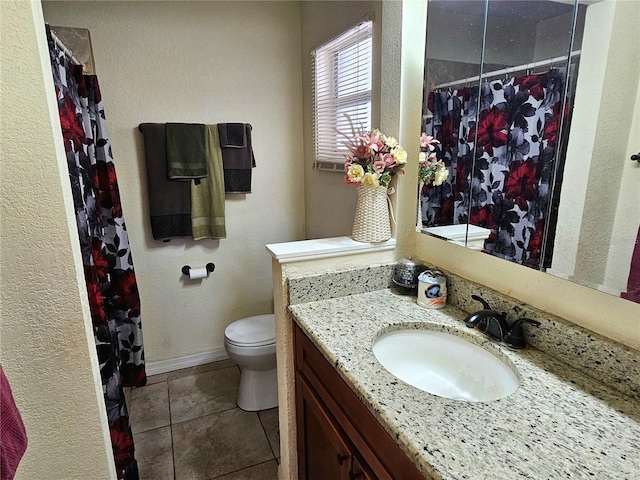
x=342, y=71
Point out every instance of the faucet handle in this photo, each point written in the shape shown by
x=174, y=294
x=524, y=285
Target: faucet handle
x=484, y=303
x=515, y=336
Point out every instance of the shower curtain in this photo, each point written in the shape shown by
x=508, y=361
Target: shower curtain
x=510, y=148
x=104, y=242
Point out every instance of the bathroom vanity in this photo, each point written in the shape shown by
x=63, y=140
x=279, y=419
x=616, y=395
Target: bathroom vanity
x=338, y=437
x=356, y=420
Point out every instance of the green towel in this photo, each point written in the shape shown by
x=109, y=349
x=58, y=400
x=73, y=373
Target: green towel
x=185, y=151
x=207, y=198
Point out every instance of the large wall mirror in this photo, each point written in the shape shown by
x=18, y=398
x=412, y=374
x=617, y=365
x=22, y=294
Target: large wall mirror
x=534, y=108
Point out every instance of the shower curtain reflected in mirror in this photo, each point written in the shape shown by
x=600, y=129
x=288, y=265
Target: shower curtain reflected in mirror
x=500, y=161
x=108, y=266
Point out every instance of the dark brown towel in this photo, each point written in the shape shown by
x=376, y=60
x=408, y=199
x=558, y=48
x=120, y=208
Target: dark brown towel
x=237, y=160
x=233, y=135
x=186, y=151
x=169, y=202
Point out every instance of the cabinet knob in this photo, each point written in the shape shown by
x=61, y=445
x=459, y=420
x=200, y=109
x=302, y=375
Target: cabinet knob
x=342, y=458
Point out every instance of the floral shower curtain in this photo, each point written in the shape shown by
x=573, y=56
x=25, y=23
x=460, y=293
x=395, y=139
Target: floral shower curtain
x=108, y=266
x=511, y=150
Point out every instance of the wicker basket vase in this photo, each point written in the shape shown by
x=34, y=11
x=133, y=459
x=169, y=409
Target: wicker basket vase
x=371, y=222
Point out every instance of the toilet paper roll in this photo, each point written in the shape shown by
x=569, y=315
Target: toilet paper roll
x=196, y=273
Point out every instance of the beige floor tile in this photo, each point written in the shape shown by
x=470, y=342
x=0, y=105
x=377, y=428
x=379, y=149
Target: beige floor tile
x=154, y=454
x=269, y=420
x=161, y=377
x=264, y=471
x=203, y=393
x=207, y=367
x=149, y=407
x=218, y=444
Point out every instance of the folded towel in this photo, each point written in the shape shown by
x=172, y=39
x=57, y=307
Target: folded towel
x=238, y=161
x=13, y=436
x=185, y=151
x=207, y=197
x=232, y=135
x=169, y=202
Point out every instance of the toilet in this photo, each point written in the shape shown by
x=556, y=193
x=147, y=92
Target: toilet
x=251, y=343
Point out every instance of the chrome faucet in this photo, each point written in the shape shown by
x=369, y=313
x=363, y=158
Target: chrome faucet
x=494, y=324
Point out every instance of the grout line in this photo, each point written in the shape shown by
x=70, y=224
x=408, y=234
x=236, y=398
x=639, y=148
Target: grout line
x=151, y=429
x=195, y=373
x=173, y=457
x=242, y=469
x=266, y=436
x=208, y=414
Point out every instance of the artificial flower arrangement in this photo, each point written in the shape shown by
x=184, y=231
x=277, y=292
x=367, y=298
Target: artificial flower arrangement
x=431, y=170
x=374, y=158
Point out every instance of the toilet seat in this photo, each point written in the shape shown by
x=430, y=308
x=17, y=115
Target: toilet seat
x=254, y=331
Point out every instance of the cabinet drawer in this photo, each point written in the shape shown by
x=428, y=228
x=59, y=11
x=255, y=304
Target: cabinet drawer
x=376, y=447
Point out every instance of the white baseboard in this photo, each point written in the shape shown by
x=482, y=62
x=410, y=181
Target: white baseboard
x=164, y=366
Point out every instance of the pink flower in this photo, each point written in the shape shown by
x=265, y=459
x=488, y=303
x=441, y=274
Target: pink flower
x=427, y=141
x=362, y=151
x=348, y=162
x=389, y=160
x=379, y=166
x=373, y=142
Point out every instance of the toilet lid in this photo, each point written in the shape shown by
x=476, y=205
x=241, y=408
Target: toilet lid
x=255, y=331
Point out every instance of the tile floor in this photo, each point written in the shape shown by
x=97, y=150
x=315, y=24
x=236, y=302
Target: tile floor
x=186, y=426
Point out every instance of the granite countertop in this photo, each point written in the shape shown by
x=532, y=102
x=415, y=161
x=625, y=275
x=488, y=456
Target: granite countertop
x=560, y=423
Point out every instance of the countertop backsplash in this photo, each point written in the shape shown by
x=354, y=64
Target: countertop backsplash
x=616, y=365
x=339, y=283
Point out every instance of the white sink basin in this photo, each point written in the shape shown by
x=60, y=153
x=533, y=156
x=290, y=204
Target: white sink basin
x=445, y=365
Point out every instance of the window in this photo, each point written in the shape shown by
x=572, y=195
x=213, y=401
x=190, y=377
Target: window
x=342, y=71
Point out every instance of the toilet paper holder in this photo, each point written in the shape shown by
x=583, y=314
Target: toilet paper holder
x=210, y=268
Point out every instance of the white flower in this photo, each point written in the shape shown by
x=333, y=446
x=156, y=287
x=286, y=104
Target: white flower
x=400, y=155
x=371, y=180
x=392, y=142
x=355, y=173
x=422, y=157
x=440, y=176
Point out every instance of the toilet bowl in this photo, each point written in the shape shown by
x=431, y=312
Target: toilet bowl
x=251, y=343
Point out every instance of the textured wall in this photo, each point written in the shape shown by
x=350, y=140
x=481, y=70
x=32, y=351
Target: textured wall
x=604, y=183
x=610, y=150
x=627, y=214
x=206, y=62
x=46, y=343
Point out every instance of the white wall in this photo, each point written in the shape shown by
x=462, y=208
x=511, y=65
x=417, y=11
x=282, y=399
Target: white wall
x=455, y=34
x=205, y=62
x=46, y=345
x=553, y=35
x=329, y=202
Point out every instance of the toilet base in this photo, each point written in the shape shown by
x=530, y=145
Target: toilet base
x=258, y=390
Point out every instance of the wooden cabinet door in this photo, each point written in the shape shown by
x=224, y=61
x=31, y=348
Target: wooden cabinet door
x=323, y=452
x=333, y=420
x=360, y=470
